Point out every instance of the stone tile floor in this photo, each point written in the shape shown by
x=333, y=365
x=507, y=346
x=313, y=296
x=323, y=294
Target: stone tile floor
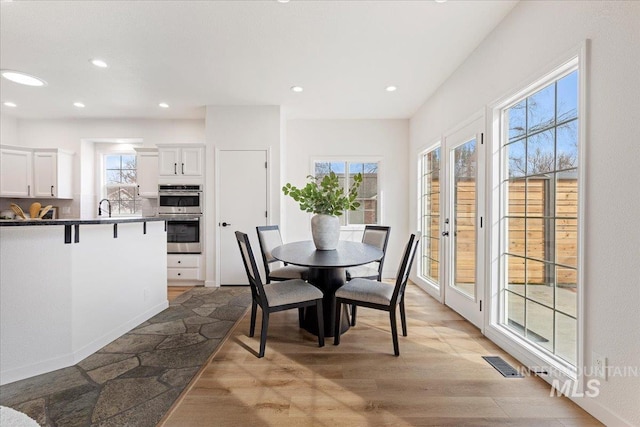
x=134, y=380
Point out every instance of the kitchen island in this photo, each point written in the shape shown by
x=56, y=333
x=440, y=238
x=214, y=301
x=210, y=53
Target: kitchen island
x=69, y=287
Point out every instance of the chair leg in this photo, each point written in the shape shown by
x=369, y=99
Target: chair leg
x=336, y=331
x=353, y=314
x=263, y=334
x=394, y=332
x=252, y=328
x=300, y=316
x=320, y=323
x=403, y=317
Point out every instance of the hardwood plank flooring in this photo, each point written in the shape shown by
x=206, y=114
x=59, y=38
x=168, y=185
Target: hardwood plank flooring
x=439, y=378
x=175, y=291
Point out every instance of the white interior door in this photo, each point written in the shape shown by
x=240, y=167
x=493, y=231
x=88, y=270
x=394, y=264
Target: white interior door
x=242, y=205
x=463, y=225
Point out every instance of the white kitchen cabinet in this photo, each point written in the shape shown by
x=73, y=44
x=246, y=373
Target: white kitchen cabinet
x=180, y=161
x=147, y=160
x=184, y=267
x=52, y=174
x=16, y=168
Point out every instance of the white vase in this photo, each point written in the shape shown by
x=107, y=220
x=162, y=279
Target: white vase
x=325, y=230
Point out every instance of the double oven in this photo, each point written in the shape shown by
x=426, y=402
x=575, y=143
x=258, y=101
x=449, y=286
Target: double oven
x=181, y=206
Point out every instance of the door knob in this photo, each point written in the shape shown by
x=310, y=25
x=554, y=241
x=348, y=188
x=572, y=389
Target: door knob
x=225, y=224
x=445, y=233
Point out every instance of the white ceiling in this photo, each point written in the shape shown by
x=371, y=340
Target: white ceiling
x=196, y=53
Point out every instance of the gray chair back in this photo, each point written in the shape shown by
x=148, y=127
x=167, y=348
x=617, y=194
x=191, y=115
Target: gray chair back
x=378, y=236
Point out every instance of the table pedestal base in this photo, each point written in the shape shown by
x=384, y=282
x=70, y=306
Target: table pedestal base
x=328, y=280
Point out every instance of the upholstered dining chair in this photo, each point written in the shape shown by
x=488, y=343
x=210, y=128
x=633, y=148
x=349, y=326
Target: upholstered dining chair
x=378, y=236
x=279, y=296
x=269, y=237
x=380, y=296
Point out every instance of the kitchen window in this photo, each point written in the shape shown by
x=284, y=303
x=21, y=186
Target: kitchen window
x=368, y=195
x=120, y=184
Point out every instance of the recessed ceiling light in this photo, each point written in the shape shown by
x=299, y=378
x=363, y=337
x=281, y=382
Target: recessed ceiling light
x=297, y=89
x=10, y=104
x=99, y=63
x=283, y=1
x=78, y=104
x=391, y=88
x=440, y=1
x=22, y=78
x=163, y=105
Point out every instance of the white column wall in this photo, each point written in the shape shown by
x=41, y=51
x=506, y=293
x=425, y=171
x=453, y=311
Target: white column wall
x=520, y=50
x=240, y=128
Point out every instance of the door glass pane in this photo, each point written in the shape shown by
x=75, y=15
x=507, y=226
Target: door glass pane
x=464, y=217
x=430, y=214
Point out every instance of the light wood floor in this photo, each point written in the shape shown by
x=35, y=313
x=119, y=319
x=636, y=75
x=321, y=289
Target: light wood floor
x=439, y=378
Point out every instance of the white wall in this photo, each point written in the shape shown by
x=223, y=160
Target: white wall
x=521, y=49
x=387, y=139
x=8, y=130
x=241, y=128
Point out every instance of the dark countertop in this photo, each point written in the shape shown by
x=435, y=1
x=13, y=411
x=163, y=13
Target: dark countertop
x=106, y=220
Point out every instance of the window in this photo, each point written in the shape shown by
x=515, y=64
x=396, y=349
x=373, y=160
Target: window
x=120, y=187
x=368, y=197
x=539, y=217
x=429, y=205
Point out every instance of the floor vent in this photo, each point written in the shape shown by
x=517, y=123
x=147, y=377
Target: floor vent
x=503, y=367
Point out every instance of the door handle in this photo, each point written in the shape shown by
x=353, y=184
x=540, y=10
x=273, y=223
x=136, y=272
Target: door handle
x=138, y=189
x=175, y=169
x=52, y=190
x=225, y=224
x=183, y=169
x=445, y=233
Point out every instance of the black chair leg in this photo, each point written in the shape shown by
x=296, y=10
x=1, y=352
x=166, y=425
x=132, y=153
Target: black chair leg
x=394, y=332
x=252, y=328
x=263, y=334
x=336, y=331
x=300, y=316
x=353, y=314
x=403, y=317
x=320, y=323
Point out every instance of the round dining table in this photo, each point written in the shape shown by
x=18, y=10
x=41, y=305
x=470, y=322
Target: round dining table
x=327, y=273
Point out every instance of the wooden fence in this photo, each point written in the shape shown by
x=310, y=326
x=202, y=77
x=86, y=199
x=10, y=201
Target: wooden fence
x=539, y=215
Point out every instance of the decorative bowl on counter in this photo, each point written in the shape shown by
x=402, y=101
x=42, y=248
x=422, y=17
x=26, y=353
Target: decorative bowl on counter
x=7, y=214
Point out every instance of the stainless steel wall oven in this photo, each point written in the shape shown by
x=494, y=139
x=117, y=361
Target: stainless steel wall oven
x=179, y=199
x=181, y=205
x=184, y=234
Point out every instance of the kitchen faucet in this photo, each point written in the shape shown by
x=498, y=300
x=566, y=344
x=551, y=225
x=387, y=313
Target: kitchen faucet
x=100, y=209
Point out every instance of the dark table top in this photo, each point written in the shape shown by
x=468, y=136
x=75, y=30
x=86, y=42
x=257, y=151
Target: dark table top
x=347, y=254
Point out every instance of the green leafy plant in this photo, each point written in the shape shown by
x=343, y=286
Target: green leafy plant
x=325, y=195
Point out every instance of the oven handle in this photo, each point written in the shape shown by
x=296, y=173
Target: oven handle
x=178, y=193
x=173, y=218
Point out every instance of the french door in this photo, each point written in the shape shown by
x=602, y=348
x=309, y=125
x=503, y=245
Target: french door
x=462, y=221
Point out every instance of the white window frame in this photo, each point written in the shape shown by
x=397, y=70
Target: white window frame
x=428, y=285
x=516, y=345
x=357, y=159
x=102, y=175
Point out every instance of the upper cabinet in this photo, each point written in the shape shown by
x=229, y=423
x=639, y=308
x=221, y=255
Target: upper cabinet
x=181, y=161
x=147, y=172
x=52, y=174
x=36, y=173
x=16, y=171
